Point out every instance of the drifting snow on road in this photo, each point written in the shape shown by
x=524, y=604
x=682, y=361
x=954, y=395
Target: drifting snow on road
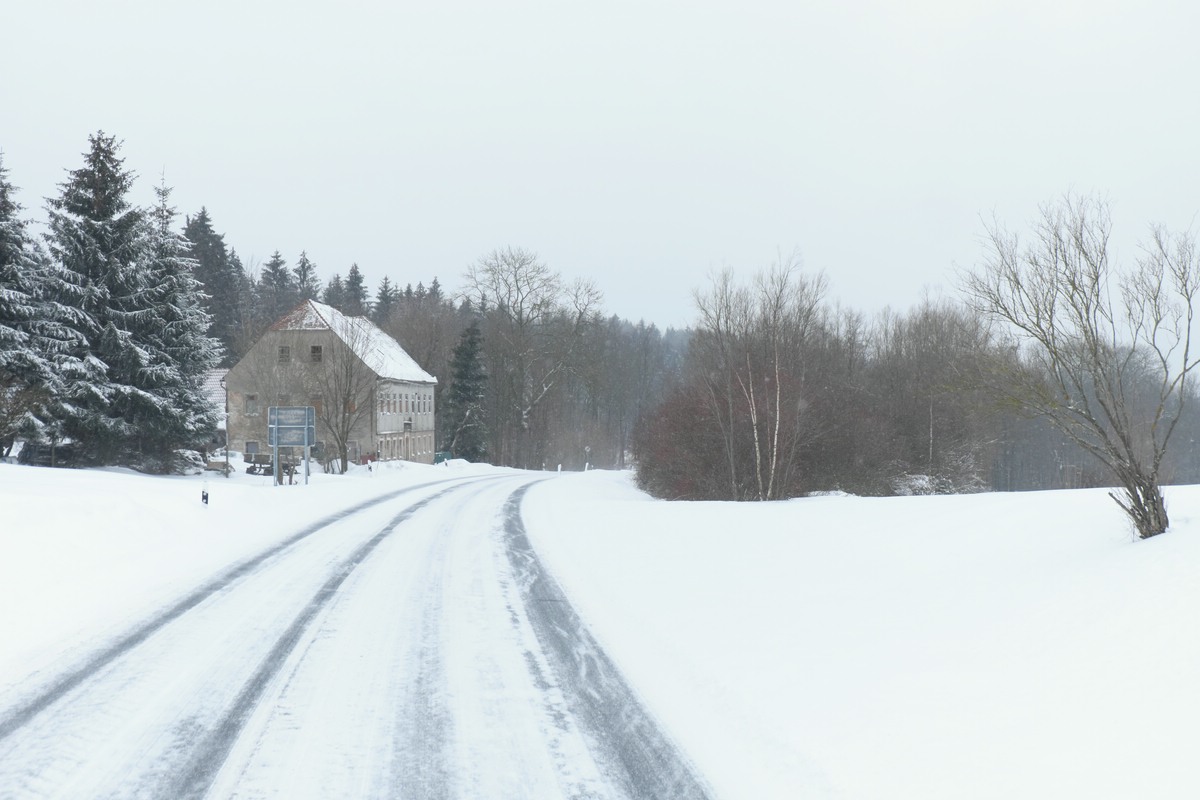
x=412, y=648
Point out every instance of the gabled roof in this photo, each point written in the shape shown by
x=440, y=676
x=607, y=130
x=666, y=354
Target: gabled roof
x=380, y=352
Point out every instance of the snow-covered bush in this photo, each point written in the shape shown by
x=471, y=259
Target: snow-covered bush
x=177, y=462
x=907, y=485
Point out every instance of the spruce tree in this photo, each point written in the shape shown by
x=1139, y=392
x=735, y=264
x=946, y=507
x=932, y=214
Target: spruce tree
x=174, y=334
x=335, y=293
x=36, y=333
x=20, y=357
x=308, y=285
x=465, y=425
x=249, y=321
x=219, y=277
x=277, y=293
x=385, y=302
x=357, y=301
x=97, y=237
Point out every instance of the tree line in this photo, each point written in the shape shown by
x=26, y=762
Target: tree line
x=1055, y=368
x=1059, y=367
x=531, y=373
x=111, y=320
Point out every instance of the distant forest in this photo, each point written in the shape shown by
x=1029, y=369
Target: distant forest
x=772, y=393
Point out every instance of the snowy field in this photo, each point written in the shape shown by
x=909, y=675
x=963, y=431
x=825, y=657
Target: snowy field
x=987, y=646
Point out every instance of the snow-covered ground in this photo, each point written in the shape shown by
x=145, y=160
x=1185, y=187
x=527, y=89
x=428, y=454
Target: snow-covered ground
x=987, y=646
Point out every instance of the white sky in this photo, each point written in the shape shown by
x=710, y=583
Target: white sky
x=639, y=144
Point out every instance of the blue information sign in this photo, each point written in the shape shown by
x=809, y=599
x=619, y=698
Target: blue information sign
x=291, y=426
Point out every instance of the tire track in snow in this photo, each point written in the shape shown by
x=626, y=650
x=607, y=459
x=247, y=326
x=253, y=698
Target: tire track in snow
x=25, y=711
x=425, y=724
x=635, y=754
x=207, y=758
x=362, y=706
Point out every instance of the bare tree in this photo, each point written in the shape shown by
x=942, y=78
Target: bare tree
x=933, y=421
x=1105, y=353
x=752, y=345
x=534, y=326
x=342, y=386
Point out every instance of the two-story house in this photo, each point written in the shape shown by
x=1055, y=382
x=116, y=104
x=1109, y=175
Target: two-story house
x=371, y=397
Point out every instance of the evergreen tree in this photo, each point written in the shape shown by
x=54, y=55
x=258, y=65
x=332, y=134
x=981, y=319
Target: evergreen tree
x=36, y=334
x=357, y=301
x=249, y=321
x=466, y=428
x=20, y=357
x=220, y=279
x=435, y=292
x=385, y=302
x=335, y=293
x=277, y=292
x=174, y=334
x=97, y=237
x=308, y=285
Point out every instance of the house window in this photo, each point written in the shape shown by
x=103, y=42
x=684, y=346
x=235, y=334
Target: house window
x=251, y=404
x=314, y=353
x=251, y=448
x=285, y=354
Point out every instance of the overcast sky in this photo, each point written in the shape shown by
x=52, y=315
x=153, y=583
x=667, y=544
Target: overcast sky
x=639, y=144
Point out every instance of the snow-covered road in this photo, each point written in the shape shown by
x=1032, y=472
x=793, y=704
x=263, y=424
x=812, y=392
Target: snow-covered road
x=413, y=647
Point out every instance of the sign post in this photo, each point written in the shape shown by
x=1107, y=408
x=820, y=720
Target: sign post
x=291, y=426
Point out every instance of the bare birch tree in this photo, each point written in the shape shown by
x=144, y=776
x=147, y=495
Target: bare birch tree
x=1106, y=353
x=752, y=345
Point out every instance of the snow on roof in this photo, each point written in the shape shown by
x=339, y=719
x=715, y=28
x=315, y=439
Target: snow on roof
x=212, y=388
x=380, y=352
x=214, y=392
